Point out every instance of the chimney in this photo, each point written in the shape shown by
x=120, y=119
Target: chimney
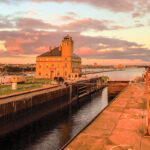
x=50, y=49
x=59, y=47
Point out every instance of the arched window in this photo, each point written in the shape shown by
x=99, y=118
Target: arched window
x=65, y=73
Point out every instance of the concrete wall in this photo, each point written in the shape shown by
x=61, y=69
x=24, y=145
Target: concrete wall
x=26, y=101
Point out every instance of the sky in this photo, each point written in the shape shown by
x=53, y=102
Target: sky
x=108, y=32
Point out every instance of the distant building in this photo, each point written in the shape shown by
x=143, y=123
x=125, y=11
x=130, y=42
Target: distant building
x=95, y=64
x=120, y=66
x=59, y=62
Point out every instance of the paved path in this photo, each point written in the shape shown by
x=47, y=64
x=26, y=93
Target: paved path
x=121, y=126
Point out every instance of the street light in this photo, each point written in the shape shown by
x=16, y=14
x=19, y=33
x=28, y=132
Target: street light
x=147, y=99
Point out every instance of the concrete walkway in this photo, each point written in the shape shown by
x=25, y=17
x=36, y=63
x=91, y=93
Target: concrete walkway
x=121, y=126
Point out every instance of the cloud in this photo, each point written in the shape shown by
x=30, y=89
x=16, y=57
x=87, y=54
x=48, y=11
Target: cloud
x=30, y=23
x=117, y=6
x=29, y=40
x=70, y=13
x=86, y=51
x=5, y=22
x=88, y=23
x=63, y=19
x=136, y=14
x=142, y=7
x=137, y=8
x=115, y=61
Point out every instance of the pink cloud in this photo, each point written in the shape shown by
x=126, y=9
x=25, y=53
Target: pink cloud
x=84, y=24
x=66, y=18
x=135, y=15
x=16, y=45
x=72, y=13
x=86, y=51
x=30, y=23
x=41, y=49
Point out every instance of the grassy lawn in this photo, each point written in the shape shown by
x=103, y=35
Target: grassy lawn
x=31, y=83
x=38, y=81
x=5, y=90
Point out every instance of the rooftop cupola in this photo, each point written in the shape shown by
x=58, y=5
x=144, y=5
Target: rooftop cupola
x=67, y=46
x=60, y=48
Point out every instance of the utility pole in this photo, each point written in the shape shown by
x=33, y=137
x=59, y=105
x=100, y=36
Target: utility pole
x=148, y=107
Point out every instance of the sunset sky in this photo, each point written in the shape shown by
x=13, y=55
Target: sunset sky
x=104, y=31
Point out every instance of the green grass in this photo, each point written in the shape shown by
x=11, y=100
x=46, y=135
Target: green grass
x=6, y=90
x=31, y=83
x=38, y=81
x=105, y=78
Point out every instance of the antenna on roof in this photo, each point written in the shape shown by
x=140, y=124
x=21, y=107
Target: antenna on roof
x=50, y=49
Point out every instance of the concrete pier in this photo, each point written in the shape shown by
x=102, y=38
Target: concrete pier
x=121, y=126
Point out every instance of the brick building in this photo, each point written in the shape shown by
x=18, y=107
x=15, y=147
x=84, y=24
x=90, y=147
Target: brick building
x=59, y=62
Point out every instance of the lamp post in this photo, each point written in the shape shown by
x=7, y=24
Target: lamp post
x=147, y=99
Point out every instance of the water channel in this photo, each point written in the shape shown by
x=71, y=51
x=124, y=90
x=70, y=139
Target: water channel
x=53, y=131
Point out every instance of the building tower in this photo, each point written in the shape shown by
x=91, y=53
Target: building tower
x=67, y=46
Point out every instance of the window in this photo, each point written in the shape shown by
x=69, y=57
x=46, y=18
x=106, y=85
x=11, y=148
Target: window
x=46, y=65
x=40, y=65
x=66, y=65
x=58, y=73
x=76, y=76
x=39, y=73
x=65, y=73
x=69, y=76
x=46, y=74
x=52, y=65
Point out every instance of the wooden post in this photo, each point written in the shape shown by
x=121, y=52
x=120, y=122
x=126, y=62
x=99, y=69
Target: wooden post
x=70, y=94
x=148, y=109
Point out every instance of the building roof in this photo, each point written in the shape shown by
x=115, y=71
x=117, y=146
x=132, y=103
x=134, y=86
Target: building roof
x=54, y=52
x=76, y=56
x=68, y=37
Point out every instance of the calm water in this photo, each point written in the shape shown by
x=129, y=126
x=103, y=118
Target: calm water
x=53, y=131
x=125, y=75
